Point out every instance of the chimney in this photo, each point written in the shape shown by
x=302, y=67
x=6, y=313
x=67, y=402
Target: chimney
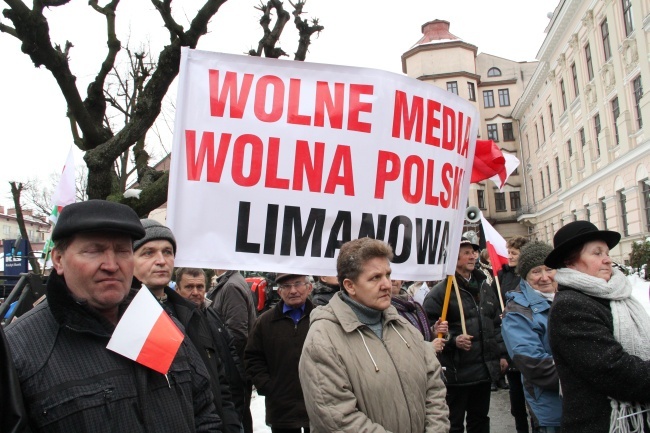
x=11, y=211
x=2, y=210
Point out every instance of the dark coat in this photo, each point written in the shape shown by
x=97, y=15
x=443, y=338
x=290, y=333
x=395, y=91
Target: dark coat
x=481, y=362
x=233, y=300
x=508, y=280
x=72, y=383
x=272, y=357
x=198, y=331
x=13, y=416
x=591, y=364
x=228, y=353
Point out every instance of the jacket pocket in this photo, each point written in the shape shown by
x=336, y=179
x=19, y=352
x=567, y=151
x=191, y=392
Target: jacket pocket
x=82, y=406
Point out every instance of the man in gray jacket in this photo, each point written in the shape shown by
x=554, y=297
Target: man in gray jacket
x=70, y=381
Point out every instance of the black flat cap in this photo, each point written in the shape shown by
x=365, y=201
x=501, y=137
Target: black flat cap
x=97, y=216
x=464, y=241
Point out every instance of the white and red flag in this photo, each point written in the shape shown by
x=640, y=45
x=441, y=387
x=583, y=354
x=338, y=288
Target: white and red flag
x=66, y=191
x=146, y=334
x=496, y=246
x=511, y=164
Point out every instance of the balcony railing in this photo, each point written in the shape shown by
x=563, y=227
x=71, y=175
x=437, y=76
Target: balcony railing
x=526, y=209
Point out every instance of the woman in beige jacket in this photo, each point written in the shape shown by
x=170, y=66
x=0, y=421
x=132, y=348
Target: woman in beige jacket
x=363, y=367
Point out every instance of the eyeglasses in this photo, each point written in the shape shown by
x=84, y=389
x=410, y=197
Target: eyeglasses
x=298, y=285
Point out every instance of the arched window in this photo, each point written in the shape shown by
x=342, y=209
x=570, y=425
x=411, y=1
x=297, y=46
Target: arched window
x=494, y=72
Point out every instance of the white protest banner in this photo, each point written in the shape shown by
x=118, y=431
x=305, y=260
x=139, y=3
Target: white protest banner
x=276, y=163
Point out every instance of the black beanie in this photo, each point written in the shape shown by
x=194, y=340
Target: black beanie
x=155, y=231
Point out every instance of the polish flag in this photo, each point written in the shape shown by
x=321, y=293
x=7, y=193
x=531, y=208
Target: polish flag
x=496, y=246
x=146, y=334
x=512, y=162
x=66, y=191
x=488, y=161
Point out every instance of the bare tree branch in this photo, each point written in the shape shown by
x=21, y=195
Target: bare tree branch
x=305, y=30
x=267, y=44
x=8, y=30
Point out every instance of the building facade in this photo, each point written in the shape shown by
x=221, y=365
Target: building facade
x=493, y=85
x=37, y=229
x=585, y=151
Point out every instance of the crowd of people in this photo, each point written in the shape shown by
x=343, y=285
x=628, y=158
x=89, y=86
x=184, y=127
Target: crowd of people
x=355, y=352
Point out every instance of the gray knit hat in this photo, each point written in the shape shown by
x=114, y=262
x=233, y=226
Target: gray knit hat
x=155, y=231
x=532, y=255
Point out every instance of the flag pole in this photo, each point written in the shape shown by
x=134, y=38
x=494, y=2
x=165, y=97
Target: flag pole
x=496, y=279
x=460, y=306
x=445, y=304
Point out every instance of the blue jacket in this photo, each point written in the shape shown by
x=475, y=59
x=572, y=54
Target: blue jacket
x=525, y=333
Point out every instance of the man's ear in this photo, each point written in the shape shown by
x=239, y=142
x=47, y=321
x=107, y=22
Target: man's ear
x=56, y=261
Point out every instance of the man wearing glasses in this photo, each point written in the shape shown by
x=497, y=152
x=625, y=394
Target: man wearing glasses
x=273, y=352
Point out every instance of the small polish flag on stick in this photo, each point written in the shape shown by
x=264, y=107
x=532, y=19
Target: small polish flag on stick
x=497, y=250
x=146, y=334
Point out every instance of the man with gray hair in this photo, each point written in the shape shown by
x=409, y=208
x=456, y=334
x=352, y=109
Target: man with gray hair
x=154, y=265
x=363, y=366
x=70, y=381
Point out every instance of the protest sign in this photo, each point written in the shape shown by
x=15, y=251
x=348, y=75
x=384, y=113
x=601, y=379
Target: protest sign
x=276, y=163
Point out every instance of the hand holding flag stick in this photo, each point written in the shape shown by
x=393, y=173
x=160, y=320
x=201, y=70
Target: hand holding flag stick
x=451, y=279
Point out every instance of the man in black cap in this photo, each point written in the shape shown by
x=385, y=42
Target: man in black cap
x=273, y=352
x=154, y=265
x=69, y=380
x=474, y=359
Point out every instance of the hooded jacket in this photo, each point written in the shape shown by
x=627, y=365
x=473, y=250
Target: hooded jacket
x=482, y=310
x=525, y=334
x=72, y=383
x=353, y=381
x=323, y=293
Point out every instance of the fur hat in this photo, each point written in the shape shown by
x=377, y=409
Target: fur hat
x=532, y=255
x=154, y=232
x=574, y=234
x=97, y=216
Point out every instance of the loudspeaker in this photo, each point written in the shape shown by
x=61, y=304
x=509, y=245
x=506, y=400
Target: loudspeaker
x=472, y=214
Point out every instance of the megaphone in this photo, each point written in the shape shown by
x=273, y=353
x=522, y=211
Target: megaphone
x=472, y=214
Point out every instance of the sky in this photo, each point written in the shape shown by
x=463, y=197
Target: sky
x=35, y=134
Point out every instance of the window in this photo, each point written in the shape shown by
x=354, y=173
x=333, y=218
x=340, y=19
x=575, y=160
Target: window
x=550, y=115
x=645, y=192
x=537, y=135
x=508, y=135
x=638, y=93
x=627, y=17
x=603, y=210
x=6, y=230
x=587, y=213
x=563, y=93
x=480, y=197
x=504, y=97
x=493, y=132
x=494, y=72
x=548, y=176
x=541, y=122
x=515, y=200
x=488, y=98
x=541, y=176
x=471, y=91
x=500, y=201
x=574, y=74
x=452, y=86
x=590, y=65
x=569, y=148
x=604, y=30
x=621, y=202
x=583, y=138
x=597, y=131
x=559, y=173
x=615, y=112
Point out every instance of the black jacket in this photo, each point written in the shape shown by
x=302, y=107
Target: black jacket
x=481, y=308
x=233, y=366
x=72, y=383
x=198, y=331
x=591, y=364
x=508, y=280
x=13, y=416
x=272, y=355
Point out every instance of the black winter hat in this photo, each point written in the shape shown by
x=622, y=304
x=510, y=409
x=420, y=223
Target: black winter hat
x=154, y=232
x=97, y=216
x=574, y=234
x=465, y=241
x=532, y=255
